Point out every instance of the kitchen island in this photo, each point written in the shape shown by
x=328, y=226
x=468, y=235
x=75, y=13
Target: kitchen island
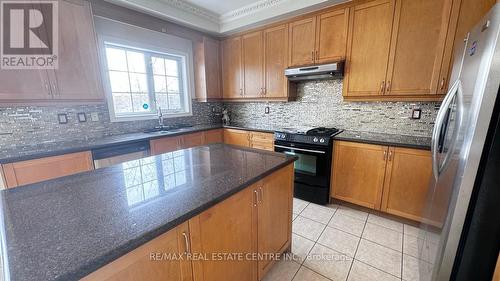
x=68, y=228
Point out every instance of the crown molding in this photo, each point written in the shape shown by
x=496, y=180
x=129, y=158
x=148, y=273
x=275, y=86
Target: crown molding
x=249, y=16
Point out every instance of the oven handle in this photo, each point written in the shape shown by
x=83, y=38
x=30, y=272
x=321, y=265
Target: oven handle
x=300, y=149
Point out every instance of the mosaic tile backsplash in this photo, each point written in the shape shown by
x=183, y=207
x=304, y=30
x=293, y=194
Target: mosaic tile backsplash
x=320, y=103
x=29, y=125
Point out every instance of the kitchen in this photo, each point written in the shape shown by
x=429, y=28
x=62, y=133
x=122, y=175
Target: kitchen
x=314, y=140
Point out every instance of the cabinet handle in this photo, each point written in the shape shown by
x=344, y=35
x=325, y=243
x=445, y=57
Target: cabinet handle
x=388, y=87
x=441, y=86
x=382, y=87
x=312, y=55
x=317, y=55
x=385, y=155
x=48, y=89
x=255, y=198
x=390, y=155
x=186, y=242
x=241, y=92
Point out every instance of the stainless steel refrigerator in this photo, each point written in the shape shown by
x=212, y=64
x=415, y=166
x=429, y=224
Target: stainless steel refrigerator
x=459, y=240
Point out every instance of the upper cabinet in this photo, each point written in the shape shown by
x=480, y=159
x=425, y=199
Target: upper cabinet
x=396, y=49
x=254, y=65
x=319, y=39
x=77, y=77
x=207, y=65
x=232, y=84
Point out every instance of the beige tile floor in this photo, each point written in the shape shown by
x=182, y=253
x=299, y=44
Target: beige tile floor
x=339, y=243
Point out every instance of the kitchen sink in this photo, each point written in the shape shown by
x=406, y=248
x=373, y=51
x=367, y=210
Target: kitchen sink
x=167, y=129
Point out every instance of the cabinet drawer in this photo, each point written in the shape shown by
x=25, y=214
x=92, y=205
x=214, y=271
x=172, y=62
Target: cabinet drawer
x=31, y=171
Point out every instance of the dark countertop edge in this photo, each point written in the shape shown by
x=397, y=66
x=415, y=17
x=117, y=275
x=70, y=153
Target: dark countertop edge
x=243, y=128
x=145, y=238
x=146, y=137
x=379, y=142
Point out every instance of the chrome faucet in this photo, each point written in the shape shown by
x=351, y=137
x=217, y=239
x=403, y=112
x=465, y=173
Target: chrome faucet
x=160, y=117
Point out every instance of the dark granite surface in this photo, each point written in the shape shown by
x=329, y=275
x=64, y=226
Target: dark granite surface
x=386, y=139
x=65, y=228
x=262, y=129
x=57, y=148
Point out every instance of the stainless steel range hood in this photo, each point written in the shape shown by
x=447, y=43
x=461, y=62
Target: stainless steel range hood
x=316, y=72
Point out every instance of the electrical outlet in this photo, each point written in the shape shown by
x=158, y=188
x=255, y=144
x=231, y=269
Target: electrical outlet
x=416, y=113
x=266, y=110
x=94, y=116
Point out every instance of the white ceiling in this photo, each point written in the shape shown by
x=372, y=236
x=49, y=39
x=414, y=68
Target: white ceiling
x=221, y=7
x=225, y=17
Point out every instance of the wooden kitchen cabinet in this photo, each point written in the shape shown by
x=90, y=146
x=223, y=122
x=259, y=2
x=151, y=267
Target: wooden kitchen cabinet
x=164, y=145
x=140, y=264
x=406, y=182
x=228, y=227
x=24, y=85
x=37, y=170
x=253, y=65
x=275, y=195
x=78, y=76
x=213, y=136
x=207, y=70
x=319, y=39
x=275, y=62
x=237, y=137
x=368, y=43
x=191, y=140
x=263, y=141
x=358, y=173
x=232, y=68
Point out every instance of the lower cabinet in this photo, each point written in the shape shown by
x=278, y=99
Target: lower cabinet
x=226, y=242
x=391, y=179
x=144, y=264
x=258, y=140
x=37, y=170
x=169, y=144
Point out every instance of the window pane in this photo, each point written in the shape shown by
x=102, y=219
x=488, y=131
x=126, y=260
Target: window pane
x=173, y=85
x=119, y=81
x=161, y=100
x=171, y=66
x=116, y=59
x=139, y=100
x=136, y=62
x=158, y=65
x=138, y=83
x=122, y=103
x=174, y=101
x=160, y=84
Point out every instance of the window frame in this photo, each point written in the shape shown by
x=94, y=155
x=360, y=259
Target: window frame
x=186, y=73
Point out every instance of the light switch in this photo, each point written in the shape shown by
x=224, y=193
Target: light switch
x=94, y=116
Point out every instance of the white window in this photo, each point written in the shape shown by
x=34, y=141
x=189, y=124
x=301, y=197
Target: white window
x=142, y=76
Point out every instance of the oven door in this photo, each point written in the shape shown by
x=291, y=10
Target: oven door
x=313, y=165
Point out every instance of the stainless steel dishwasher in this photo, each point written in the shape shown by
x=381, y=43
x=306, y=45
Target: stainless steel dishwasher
x=116, y=154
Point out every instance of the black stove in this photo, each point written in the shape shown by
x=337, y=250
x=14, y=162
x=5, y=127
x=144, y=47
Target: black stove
x=313, y=147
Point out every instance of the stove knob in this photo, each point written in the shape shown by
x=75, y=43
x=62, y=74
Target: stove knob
x=321, y=140
x=315, y=140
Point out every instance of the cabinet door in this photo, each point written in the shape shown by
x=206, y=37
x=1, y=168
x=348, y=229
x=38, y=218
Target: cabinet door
x=192, y=140
x=164, y=145
x=358, y=173
x=37, y=170
x=302, y=35
x=276, y=61
x=232, y=68
x=407, y=182
x=417, y=46
x=274, y=215
x=24, y=85
x=228, y=227
x=331, y=36
x=237, y=137
x=139, y=265
x=368, y=45
x=253, y=65
x=207, y=70
x=77, y=77
x=213, y=136
x=263, y=141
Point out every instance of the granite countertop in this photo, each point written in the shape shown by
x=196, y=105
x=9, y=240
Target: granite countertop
x=21, y=153
x=385, y=139
x=66, y=228
x=263, y=129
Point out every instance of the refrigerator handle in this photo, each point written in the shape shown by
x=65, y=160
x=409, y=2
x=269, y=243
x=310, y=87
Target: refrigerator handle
x=455, y=90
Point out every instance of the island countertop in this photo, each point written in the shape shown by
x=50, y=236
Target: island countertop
x=66, y=228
